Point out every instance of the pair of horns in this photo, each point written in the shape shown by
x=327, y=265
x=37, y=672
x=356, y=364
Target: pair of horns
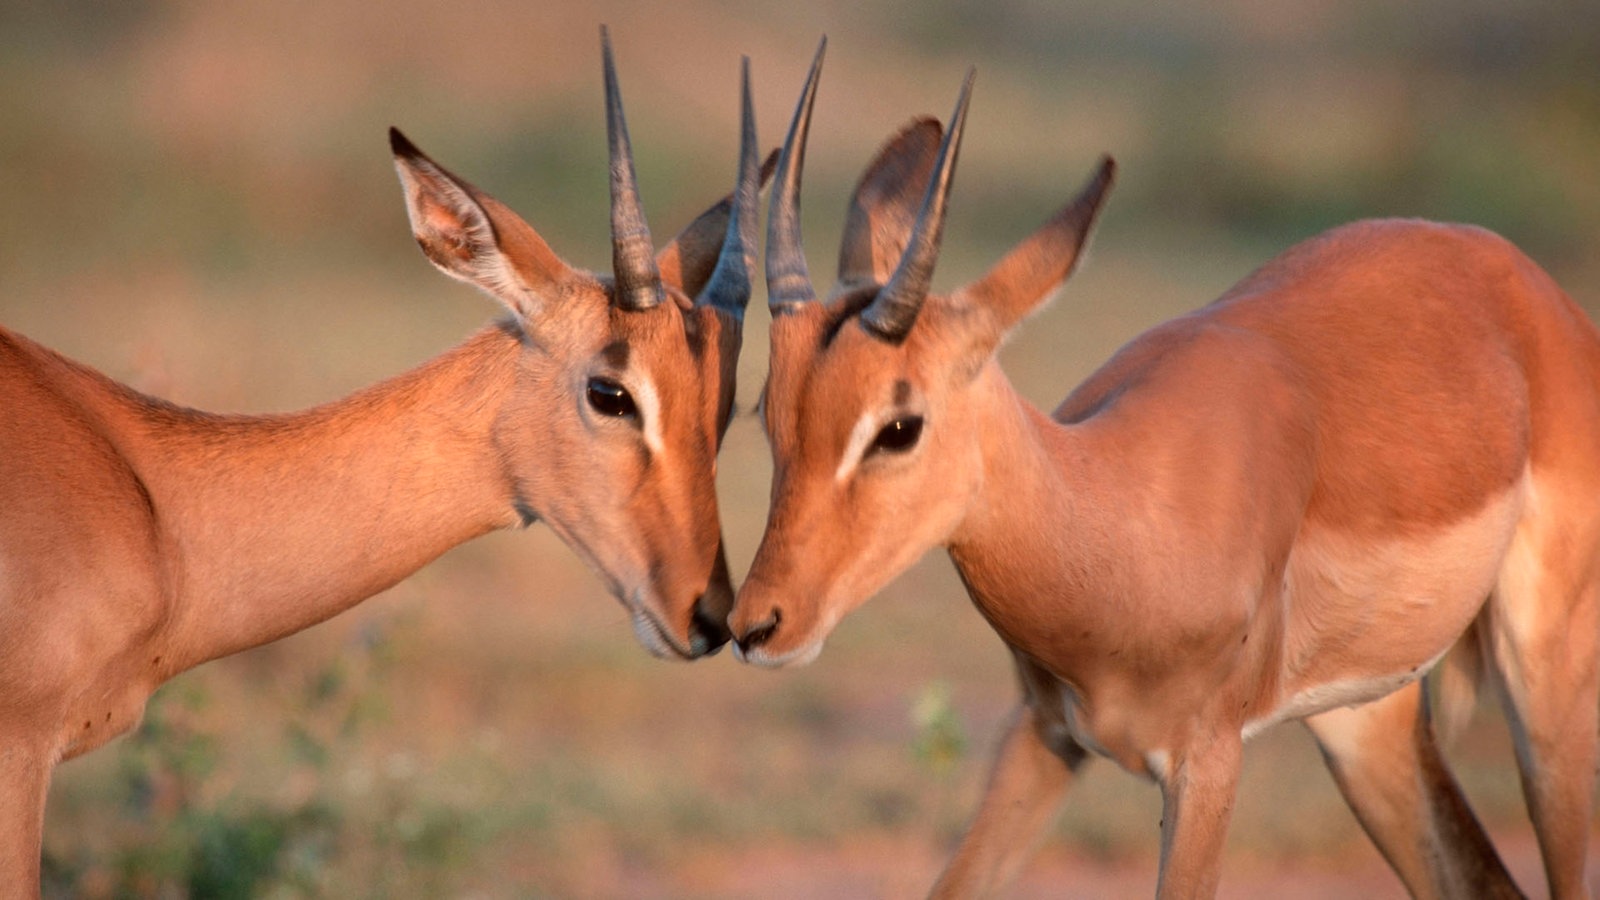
x=633, y=262
x=892, y=313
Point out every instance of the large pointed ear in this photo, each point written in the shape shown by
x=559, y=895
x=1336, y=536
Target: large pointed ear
x=688, y=260
x=1022, y=280
x=473, y=237
x=885, y=205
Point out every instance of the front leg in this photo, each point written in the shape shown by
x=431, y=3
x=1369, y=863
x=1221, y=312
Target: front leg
x=1031, y=774
x=24, y=783
x=1197, y=794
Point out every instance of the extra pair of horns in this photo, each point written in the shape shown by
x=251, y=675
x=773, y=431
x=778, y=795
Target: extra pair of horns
x=892, y=313
x=633, y=262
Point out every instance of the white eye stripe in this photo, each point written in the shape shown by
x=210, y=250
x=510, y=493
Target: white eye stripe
x=649, y=404
x=861, y=437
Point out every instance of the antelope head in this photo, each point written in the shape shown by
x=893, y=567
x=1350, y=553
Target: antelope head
x=873, y=405
x=623, y=383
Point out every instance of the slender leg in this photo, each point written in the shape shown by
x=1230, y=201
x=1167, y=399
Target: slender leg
x=1387, y=764
x=1031, y=774
x=24, y=783
x=1544, y=643
x=1197, y=802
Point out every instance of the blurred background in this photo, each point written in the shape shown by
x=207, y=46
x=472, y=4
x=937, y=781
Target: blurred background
x=199, y=201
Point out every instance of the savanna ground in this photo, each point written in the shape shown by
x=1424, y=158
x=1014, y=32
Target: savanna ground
x=199, y=202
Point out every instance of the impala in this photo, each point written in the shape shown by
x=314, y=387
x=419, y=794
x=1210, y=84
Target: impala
x=140, y=539
x=1289, y=504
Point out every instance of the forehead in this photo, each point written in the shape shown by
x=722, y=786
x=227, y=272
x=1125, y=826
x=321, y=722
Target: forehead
x=823, y=338
x=628, y=338
x=824, y=367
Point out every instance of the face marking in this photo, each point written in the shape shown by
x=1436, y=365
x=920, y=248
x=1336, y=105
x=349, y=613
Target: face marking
x=616, y=355
x=649, y=413
x=861, y=437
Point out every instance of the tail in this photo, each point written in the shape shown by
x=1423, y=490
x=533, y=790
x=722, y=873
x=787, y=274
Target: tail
x=1455, y=685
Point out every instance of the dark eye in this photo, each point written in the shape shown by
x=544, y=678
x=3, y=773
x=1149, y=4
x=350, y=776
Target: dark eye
x=611, y=399
x=898, y=436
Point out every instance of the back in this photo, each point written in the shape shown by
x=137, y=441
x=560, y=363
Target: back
x=1424, y=350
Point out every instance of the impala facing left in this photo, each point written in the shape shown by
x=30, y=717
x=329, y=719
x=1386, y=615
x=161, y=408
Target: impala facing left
x=140, y=539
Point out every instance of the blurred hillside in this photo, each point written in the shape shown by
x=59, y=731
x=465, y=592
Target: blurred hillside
x=200, y=202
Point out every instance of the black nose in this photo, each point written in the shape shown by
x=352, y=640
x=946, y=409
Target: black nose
x=760, y=632
x=707, y=632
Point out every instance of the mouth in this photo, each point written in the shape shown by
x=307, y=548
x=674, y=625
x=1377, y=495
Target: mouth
x=761, y=655
x=647, y=629
x=658, y=641
x=653, y=636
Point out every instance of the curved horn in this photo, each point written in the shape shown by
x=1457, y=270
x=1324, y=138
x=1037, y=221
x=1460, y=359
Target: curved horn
x=729, y=287
x=891, y=315
x=638, y=282
x=788, y=283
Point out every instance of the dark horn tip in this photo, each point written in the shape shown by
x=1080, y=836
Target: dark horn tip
x=1108, y=169
x=966, y=93
x=1100, y=183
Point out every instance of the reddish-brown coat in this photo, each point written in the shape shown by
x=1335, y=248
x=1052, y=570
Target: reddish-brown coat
x=1288, y=502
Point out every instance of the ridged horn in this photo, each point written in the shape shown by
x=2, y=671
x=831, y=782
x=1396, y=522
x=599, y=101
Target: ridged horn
x=729, y=286
x=891, y=315
x=633, y=263
x=788, y=283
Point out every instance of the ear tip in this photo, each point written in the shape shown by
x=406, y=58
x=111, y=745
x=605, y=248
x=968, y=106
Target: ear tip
x=925, y=129
x=400, y=145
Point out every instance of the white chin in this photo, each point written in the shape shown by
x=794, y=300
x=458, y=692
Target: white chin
x=650, y=637
x=759, y=656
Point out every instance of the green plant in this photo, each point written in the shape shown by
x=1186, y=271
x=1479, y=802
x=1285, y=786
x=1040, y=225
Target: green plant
x=184, y=825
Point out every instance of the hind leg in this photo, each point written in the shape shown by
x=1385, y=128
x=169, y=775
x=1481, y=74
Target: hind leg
x=1544, y=625
x=1387, y=764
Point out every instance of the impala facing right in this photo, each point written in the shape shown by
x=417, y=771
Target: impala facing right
x=1289, y=504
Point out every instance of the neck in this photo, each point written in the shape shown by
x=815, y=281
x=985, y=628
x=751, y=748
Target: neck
x=1036, y=548
x=270, y=524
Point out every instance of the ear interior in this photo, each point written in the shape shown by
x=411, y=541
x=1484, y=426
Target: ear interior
x=471, y=236
x=884, y=207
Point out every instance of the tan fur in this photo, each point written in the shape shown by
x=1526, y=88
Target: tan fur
x=1286, y=504
x=140, y=539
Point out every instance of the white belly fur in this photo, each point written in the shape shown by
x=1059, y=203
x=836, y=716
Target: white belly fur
x=1366, y=616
